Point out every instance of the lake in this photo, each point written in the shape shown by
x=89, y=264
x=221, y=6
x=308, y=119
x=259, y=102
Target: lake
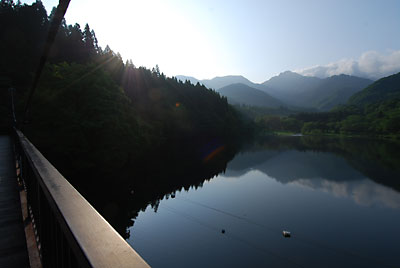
x=339, y=198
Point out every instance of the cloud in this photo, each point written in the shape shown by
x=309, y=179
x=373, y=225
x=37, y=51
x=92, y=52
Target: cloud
x=371, y=64
x=363, y=192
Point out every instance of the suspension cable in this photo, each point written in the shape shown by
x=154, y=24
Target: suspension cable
x=54, y=25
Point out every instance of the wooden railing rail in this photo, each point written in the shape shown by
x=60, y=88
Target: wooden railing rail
x=69, y=231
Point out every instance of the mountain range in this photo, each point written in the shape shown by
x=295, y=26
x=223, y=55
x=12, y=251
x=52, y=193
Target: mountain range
x=287, y=89
x=385, y=89
x=312, y=92
x=242, y=94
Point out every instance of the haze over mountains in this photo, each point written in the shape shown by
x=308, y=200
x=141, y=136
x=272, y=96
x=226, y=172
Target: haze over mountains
x=287, y=89
x=220, y=81
x=240, y=93
x=312, y=92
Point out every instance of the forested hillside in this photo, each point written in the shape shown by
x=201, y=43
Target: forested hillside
x=94, y=113
x=374, y=111
x=313, y=92
x=384, y=89
x=243, y=94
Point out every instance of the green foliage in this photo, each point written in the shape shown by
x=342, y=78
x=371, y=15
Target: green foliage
x=92, y=113
x=291, y=124
x=22, y=33
x=375, y=111
x=377, y=119
x=80, y=115
x=273, y=123
x=85, y=121
x=387, y=88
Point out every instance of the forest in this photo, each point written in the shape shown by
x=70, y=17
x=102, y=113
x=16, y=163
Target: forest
x=373, y=112
x=93, y=113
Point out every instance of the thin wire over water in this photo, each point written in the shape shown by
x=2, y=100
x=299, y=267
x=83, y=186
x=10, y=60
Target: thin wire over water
x=231, y=236
x=296, y=236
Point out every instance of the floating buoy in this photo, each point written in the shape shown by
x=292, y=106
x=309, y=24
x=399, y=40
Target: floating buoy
x=286, y=233
x=223, y=231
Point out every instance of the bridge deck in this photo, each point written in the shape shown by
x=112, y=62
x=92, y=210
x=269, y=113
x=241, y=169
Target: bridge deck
x=13, y=251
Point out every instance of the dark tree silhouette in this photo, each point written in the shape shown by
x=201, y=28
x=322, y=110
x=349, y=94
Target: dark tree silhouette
x=92, y=113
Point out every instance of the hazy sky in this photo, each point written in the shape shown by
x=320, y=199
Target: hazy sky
x=257, y=39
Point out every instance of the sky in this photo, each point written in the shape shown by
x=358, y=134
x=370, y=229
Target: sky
x=256, y=39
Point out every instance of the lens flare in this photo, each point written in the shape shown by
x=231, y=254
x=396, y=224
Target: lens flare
x=213, y=153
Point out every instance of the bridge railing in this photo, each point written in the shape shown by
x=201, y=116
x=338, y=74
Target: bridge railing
x=69, y=231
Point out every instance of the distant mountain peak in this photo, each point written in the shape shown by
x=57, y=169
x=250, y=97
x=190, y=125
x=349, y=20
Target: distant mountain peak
x=185, y=78
x=287, y=73
x=229, y=76
x=341, y=76
x=289, y=88
x=222, y=81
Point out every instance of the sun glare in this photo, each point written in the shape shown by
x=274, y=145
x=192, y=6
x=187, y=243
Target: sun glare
x=150, y=33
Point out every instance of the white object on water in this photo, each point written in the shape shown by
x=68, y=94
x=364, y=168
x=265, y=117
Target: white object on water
x=286, y=233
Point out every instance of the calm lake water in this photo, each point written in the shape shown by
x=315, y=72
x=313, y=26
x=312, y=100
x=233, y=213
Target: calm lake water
x=339, y=198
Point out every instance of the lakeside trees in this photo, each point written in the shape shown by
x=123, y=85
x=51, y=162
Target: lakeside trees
x=374, y=111
x=92, y=113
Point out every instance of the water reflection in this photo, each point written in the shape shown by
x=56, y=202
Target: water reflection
x=365, y=170
x=160, y=175
x=364, y=192
x=336, y=159
x=339, y=197
x=289, y=165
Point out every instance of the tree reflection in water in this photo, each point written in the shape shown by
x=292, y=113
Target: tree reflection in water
x=342, y=166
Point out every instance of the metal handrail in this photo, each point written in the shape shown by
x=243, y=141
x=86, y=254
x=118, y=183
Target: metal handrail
x=70, y=232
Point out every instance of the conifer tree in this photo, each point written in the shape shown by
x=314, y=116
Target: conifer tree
x=89, y=43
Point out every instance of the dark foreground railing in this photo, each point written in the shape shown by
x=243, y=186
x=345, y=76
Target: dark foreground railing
x=69, y=231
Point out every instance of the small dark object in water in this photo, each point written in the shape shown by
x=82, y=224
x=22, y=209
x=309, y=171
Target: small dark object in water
x=286, y=233
x=223, y=231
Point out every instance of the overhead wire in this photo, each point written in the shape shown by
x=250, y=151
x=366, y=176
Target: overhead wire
x=232, y=236
x=296, y=236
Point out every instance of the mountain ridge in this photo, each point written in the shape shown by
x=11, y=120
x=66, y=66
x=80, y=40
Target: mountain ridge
x=381, y=90
x=295, y=90
x=242, y=94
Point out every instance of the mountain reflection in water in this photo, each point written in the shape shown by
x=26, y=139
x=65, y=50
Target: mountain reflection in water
x=339, y=197
x=322, y=171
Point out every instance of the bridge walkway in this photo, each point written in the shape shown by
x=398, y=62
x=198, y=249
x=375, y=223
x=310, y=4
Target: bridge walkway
x=13, y=249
